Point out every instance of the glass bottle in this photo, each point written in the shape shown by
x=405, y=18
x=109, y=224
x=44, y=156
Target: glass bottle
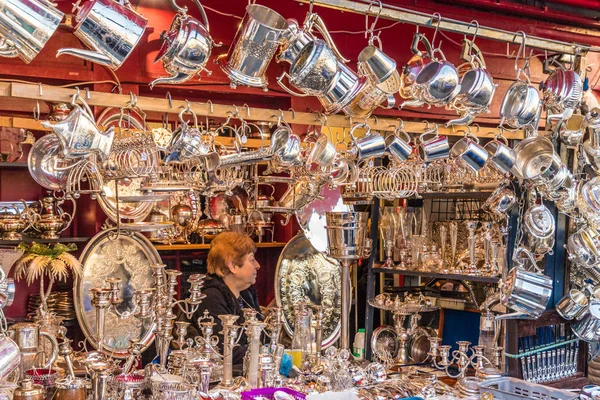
x=301, y=343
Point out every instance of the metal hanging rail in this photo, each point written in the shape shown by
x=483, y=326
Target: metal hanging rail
x=162, y=105
x=399, y=14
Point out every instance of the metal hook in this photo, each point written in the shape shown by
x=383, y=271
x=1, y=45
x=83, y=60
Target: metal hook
x=36, y=111
x=169, y=99
x=87, y=93
x=41, y=90
x=437, y=27
x=236, y=114
x=322, y=118
x=370, y=31
x=428, y=126
x=210, y=106
x=400, y=124
x=247, y=110
x=187, y=106
x=78, y=92
x=376, y=120
x=521, y=51
x=132, y=99
x=472, y=42
x=310, y=7
x=281, y=113
x=293, y=112
x=478, y=127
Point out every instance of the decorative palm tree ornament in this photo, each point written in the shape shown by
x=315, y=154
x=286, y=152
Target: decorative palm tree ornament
x=41, y=260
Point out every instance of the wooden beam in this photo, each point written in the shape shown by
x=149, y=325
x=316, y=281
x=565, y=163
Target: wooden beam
x=161, y=105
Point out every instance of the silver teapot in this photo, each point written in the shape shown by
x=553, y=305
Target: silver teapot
x=185, y=48
x=51, y=220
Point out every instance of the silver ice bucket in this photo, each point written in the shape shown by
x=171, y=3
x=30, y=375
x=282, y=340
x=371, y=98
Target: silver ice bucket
x=347, y=235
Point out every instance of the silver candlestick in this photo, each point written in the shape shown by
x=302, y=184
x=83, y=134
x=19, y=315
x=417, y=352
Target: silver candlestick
x=472, y=227
x=454, y=243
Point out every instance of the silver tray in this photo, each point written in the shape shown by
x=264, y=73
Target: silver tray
x=136, y=210
x=384, y=343
x=305, y=274
x=129, y=257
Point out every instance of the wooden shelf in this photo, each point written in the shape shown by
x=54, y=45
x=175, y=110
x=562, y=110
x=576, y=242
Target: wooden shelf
x=487, y=279
x=177, y=247
x=456, y=195
x=10, y=165
x=37, y=240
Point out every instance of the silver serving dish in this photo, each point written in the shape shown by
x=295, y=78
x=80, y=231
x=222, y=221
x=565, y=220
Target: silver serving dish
x=384, y=343
x=129, y=257
x=135, y=210
x=43, y=161
x=304, y=274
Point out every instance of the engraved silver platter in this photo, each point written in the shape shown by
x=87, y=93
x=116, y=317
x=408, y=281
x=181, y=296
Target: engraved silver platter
x=305, y=274
x=128, y=257
x=384, y=343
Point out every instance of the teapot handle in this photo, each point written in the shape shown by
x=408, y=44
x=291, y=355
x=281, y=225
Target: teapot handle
x=320, y=25
x=414, y=47
x=54, y=344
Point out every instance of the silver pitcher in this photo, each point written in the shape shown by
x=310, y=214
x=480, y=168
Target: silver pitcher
x=562, y=90
x=525, y=292
x=111, y=28
x=28, y=336
x=185, y=47
x=26, y=26
x=253, y=47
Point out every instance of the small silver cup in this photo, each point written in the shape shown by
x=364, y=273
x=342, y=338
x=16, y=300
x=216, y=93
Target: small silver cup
x=572, y=305
x=436, y=148
x=398, y=148
x=468, y=153
x=501, y=157
x=371, y=145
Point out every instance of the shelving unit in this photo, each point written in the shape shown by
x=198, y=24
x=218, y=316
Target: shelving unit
x=183, y=247
x=472, y=278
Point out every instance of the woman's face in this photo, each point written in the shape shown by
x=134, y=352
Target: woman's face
x=246, y=272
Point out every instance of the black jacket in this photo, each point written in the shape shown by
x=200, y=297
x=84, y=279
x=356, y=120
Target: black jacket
x=220, y=300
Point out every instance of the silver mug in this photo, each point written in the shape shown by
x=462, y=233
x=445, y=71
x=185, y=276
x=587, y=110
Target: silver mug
x=253, y=47
x=572, y=305
x=468, y=153
x=587, y=327
x=382, y=69
x=436, y=148
x=371, y=145
x=501, y=158
x=26, y=25
x=398, y=148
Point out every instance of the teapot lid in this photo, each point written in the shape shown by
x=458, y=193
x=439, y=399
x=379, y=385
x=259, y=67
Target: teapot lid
x=540, y=221
x=28, y=388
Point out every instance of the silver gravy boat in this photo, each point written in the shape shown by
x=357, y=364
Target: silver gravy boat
x=185, y=48
x=26, y=26
x=111, y=28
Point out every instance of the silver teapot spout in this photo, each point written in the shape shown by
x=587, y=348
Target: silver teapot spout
x=180, y=77
x=89, y=55
x=465, y=119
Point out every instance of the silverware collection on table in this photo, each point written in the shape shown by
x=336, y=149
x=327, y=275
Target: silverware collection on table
x=183, y=183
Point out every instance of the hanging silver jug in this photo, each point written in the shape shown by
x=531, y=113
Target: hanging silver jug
x=253, y=47
x=185, y=47
x=111, y=28
x=26, y=26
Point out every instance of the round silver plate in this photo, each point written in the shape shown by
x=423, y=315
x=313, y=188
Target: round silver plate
x=129, y=257
x=136, y=210
x=384, y=343
x=304, y=274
